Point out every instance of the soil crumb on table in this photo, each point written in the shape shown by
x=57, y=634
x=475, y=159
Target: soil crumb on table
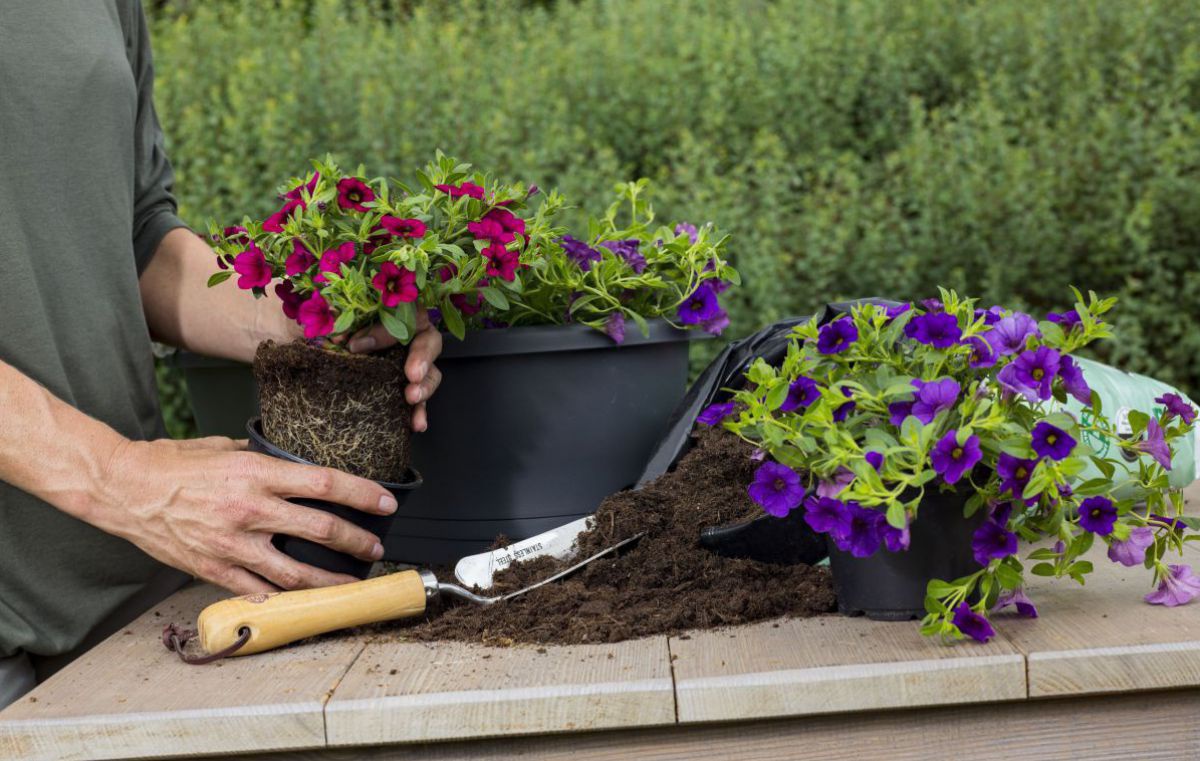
x=666, y=584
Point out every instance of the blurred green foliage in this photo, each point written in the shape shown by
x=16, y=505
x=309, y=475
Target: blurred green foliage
x=1005, y=149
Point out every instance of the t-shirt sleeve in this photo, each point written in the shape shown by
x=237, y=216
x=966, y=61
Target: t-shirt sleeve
x=155, y=210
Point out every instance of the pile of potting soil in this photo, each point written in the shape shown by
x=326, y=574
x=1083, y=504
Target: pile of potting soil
x=665, y=584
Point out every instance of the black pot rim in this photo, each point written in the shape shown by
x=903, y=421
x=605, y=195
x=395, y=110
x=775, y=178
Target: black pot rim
x=544, y=339
x=254, y=430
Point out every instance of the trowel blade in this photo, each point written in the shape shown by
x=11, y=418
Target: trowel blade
x=479, y=570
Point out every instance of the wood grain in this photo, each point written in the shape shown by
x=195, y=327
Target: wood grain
x=412, y=692
x=833, y=664
x=131, y=698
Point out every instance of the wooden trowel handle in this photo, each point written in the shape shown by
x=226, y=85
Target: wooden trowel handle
x=279, y=618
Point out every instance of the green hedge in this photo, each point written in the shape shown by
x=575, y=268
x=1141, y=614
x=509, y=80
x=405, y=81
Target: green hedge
x=856, y=147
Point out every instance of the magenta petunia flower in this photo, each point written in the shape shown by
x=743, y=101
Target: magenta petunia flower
x=491, y=230
x=1014, y=473
x=827, y=515
x=951, y=460
x=253, y=268
x=934, y=397
x=333, y=259
x=614, y=326
x=1017, y=598
x=236, y=234
x=396, y=285
x=353, y=193
x=1073, y=381
x=1052, y=442
x=802, y=392
x=777, y=488
x=501, y=262
x=938, y=329
x=468, y=189
x=316, y=317
x=1132, y=551
x=700, y=307
x=835, y=337
x=1155, y=444
x=468, y=305
x=715, y=413
x=507, y=220
x=861, y=537
x=992, y=541
x=291, y=300
x=972, y=624
x=1031, y=373
x=982, y=353
x=1179, y=587
x=685, y=228
x=1176, y=407
x=402, y=228
x=1097, y=514
x=1009, y=334
x=300, y=260
x=299, y=192
x=275, y=222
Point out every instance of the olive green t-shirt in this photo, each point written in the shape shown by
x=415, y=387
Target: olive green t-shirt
x=85, y=199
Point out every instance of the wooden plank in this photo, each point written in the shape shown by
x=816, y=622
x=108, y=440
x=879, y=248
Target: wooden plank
x=130, y=698
x=413, y=692
x=832, y=664
x=1102, y=637
x=1154, y=727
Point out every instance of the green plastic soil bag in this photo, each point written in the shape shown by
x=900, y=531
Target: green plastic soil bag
x=1120, y=392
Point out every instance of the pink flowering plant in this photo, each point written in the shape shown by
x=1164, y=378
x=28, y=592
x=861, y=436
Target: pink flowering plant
x=870, y=411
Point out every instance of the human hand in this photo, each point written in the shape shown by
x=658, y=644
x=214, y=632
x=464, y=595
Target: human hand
x=419, y=368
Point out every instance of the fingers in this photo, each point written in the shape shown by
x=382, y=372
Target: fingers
x=285, y=479
x=373, y=338
x=237, y=580
x=422, y=353
x=211, y=443
x=420, y=391
x=420, y=418
x=281, y=517
x=291, y=574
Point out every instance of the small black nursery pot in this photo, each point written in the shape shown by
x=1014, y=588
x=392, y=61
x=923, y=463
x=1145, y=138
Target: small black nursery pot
x=317, y=554
x=890, y=586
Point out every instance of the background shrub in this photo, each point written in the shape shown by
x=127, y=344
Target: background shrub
x=859, y=147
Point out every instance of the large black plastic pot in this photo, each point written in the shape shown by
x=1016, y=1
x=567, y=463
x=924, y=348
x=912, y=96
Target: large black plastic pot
x=318, y=554
x=890, y=586
x=222, y=392
x=531, y=428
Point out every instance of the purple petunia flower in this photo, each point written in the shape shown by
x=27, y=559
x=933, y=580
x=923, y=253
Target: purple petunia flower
x=579, y=252
x=1018, y=598
x=1000, y=512
x=895, y=539
x=700, y=307
x=845, y=408
x=834, y=486
x=802, y=392
x=1155, y=444
x=894, y=312
x=934, y=397
x=1014, y=473
x=628, y=250
x=716, y=324
x=1052, y=441
x=972, y=624
x=614, y=326
x=897, y=411
x=715, y=413
x=992, y=541
x=875, y=460
x=1065, y=320
x=1073, y=381
x=951, y=460
x=991, y=315
x=1179, y=587
x=1132, y=551
x=1031, y=373
x=685, y=228
x=933, y=305
x=982, y=353
x=827, y=515
x=1177, y=407
x=758, y=455
x=939, y=330
x=777, y=488
x=861, y=538
x=1009, y=334
x=837, y=336
x=1098, y=515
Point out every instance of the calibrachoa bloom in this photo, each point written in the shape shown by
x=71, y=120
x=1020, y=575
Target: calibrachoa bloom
x=275, y=222
x=403, y=228
x=1155, y=444
x=684, y=228
x=614, y=326
x=894, y=312
x=297, y=193
x=316, y=317
x=951, y=460
x=802, y=392
x=628, y=250
x=1065, y=320
x=1014, y=473
x=715, y=413
x=937, y=329
x=353, y=193
x=972, y=624
x=861, y=535
x=1019, y=599
x=875, y=460
x=1132, y=551
x=332, y=261
x=897, y=411
x=1010, y=334
x=982, y=353
x=991, y=315
x=395, y=285
x=895, y=539
x=777, y=488
x=837, y=336
x=291, y=300
x=1031, y=373
x=579, y=252
x=300, y=260
x=253, y=268
x=700, y=307
x=502, y=263
x=1098, y=515
x=1052, y=442
x=469, y=189
x=1178, y=586
x=826, y=515
x=992, y=541
x=1073, y=380
x=1177, y=407
x=831, y=487
x=843, y=410
x=934, y=397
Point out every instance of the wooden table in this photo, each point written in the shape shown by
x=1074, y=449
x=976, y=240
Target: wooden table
x=1100, y=676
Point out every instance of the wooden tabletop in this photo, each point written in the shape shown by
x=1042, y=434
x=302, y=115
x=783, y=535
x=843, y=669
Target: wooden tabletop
x=130, y=698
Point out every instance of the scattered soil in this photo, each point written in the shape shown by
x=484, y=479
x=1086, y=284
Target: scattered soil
x=665, y=584
x=340, y=410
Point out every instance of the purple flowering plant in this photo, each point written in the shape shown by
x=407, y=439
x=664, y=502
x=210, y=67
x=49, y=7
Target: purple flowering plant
x=870, y=411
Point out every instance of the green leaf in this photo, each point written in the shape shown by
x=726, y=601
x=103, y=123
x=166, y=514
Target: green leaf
x=896, y=516
x=344, y=321
x=1043, y=569
x=453, y=319
x=219, y=277
x=495, y=297
x=395, y=326
x=776, y=396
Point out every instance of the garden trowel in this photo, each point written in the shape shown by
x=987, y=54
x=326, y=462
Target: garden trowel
x=257, y=622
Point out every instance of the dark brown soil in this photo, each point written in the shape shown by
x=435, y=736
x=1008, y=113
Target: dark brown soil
x=666, y=584
x=333, y=408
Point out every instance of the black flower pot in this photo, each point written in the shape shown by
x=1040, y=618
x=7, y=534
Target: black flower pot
x=531, y=428
x=318, y=554
x=890, y=586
